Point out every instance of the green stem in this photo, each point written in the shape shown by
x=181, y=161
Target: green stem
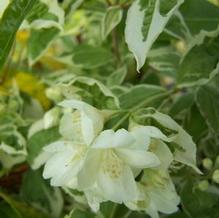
x=127, y=214
x=113, y=211
x=143, y=103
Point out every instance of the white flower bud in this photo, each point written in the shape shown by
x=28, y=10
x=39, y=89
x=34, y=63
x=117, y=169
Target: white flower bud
x=203, y=185
x=215, y=176
x=54, y=93
x=217, y=162
x=207, y=163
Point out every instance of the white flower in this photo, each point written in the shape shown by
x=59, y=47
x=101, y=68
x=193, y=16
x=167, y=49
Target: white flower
x=111, y=163
x=64, y=162
x=156, y=192
x=185, y=152
x=65, y=158
x=81, y=125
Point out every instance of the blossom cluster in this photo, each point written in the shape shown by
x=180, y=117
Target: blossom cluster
x=123, y=166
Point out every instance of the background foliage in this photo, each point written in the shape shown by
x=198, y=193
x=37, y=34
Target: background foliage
x=112, y=54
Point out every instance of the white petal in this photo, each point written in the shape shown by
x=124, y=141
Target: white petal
x=162, y=151
x=57, y=147
x=166, y=201
x=119, y=189
x=111, y=139
x=88, y=174
x=94, y=197
x=51, y=118
x=40, y=159
x=96, y=118
x=142, y=140
x=36, y=127
x=138, y=158
x=88, y=130
x=70, y=126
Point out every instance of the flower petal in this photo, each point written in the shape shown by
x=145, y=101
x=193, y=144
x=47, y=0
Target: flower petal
x=162, y=151
x=142, y=140
x=111, y=139
x=88, y=174
x=138, y=158
x=119, y=189
x=92, y=119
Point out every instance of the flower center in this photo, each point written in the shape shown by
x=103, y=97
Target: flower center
x=112, y=165
x=77, y=128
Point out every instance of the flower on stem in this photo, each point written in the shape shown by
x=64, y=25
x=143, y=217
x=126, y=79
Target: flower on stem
x=111, y=164
x=78, y=127
x=156, y=192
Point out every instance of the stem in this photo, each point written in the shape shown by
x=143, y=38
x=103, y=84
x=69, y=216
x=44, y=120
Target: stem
x=109, y=2
x=116, y=47
x=8, y=65
x=127, y=214
x=121, y=121
x=113, y=211
x=143, y=103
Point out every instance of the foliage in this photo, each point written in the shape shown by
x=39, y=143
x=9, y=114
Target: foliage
x=109, y=108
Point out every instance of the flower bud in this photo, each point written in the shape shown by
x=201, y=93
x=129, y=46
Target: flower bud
x=215, y=176
x=203, y=185
x=54, y=93
x=217, y=162
x=207, y=163
x=51, y=117
x=13, y=105
x=2, y=108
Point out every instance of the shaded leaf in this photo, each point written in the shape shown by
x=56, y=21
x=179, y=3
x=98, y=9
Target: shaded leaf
x=42, y=196
x=207, y=99
x=200, y=63
x=110, y=20
x=139, y=94
x=89, y=57
x=145, y=23
x=10, y=22
x=194, y=17
x=39, y=41
x=39, y=140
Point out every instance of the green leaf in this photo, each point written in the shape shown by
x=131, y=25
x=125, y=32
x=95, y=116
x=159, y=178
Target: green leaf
x=7, y=212
x=164, y=60
x=178, y=28
x=207, y=98
x=42, y=196
x=178, y=215
x=196, y=20
x=3, y=6
x=145, y=23
x=19, y=208
x=39, y=140
x=182, y=104
x=117, y=77
x=39, y=41
x=194, y=123
x=199, y=204
x=80, y=214
x=89, y=57
x=10, y=22
x=140, y=94
x=201, y=62
x=46, y=14
x=110, y=20
x=90, y=90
